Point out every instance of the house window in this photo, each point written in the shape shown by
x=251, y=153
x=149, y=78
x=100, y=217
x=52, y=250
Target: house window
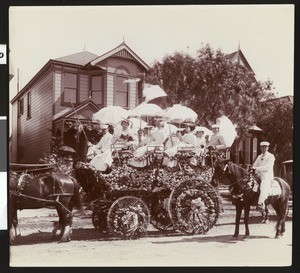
x=70, y=89
x=21, y=107
x=29, y=105
x=121, y=92
x=97, y=89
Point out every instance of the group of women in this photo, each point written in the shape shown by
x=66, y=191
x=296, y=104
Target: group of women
x=145, y=141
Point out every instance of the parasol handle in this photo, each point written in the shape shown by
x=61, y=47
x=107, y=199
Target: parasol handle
x=170, y=134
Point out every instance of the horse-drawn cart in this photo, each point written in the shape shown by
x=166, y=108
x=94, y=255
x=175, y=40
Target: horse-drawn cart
x=127, y=199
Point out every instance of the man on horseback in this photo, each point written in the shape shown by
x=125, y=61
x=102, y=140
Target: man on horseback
x=263, y=167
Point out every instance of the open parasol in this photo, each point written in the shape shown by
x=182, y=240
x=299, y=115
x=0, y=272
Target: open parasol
x=151, y=92
x=147, y=109
x=227, y=130
x=180, y=113
x=111, y=114
x=67, y=149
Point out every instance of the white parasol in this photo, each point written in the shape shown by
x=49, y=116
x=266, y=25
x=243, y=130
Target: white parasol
x=111, y=114
x=151, y=92
x=180, y=113
x=227, y=130
x=147, y=109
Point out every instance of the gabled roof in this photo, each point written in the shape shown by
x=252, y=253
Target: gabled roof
x=79, y=58
x=240, y=58
x=123, y=51
x=79, y=112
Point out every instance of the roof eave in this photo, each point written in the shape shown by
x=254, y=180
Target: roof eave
x=115, y=50
x=36, y=76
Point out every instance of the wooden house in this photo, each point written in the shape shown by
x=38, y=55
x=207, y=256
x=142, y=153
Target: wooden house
x=71, y=88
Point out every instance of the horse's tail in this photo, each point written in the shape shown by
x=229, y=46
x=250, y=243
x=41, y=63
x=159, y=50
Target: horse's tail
x=77, y=197
x=283, y=202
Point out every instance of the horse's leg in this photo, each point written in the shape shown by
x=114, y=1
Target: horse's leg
x=265, y=215
x=246, y=220
x=238, y=212
x=65, y=219
x=282, y=212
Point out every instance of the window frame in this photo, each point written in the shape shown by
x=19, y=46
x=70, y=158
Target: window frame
x=29, y=105
x=63, y=99
x=97, y=90
x=20, y=107
x=123, y=77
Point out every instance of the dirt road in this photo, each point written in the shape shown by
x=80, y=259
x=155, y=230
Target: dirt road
x=90, y=248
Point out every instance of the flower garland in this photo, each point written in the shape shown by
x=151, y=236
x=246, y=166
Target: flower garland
x=130, y=221
x=195, y=208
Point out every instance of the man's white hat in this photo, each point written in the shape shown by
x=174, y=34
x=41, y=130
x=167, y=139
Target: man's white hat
x=264, y=143
x=215, y=126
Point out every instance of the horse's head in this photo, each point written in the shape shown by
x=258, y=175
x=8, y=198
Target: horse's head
x=221, y=171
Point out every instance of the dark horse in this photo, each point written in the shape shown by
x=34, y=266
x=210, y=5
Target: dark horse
x=242, y=186
x=33, y=192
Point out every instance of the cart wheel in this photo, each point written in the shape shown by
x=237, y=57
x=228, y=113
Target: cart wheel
x=160, y=218
x=194, y=206
x=99, y=215
x=128, y=216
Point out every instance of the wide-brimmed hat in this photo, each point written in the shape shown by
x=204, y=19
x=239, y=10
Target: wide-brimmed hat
x=125, y=120
x=264, y=143
x=199, y=129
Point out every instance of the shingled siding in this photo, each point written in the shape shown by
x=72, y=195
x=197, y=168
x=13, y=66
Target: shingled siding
x=35, y=132
x=110, y=90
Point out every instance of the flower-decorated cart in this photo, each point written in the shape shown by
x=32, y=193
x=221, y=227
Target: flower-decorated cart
x=127, y=199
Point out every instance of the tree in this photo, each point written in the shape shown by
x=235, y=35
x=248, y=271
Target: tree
x=212, y=86
x=277, y=126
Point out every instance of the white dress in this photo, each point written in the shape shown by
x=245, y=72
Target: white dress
x=139, y=156
x=103, y=159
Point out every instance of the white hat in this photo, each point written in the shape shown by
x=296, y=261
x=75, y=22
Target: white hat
x=264, y=143
x=199, y=129
x=215, y=126
x=104, y=126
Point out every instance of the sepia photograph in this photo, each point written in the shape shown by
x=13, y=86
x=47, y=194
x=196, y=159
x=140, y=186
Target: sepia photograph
x=154, y=136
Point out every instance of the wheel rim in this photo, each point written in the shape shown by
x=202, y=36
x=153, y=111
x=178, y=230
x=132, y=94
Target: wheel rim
x=128, y=217
x=194, y=206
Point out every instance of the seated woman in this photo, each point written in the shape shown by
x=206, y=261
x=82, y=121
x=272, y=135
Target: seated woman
x=123, y=136
x=152, y=140
x=188, y=140
x=200, y=147
x=102, y=160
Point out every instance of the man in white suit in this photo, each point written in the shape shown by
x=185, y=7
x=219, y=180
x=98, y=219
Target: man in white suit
x=263, y=167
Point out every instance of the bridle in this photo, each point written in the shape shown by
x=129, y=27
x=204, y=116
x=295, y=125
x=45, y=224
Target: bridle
x=224, y=169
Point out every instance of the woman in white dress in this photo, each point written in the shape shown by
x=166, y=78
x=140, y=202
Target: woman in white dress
x=103, y=158
x=153, y=139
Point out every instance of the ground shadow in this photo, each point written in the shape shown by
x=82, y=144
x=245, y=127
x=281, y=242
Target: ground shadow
x=224, y=239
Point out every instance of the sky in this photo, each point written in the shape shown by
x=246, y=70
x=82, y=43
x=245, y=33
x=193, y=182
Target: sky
x=265, y=34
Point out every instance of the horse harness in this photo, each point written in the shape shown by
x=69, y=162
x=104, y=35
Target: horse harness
x=22, y=184
x=240, y=194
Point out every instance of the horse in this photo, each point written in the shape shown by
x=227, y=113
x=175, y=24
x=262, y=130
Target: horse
x=242, y=185
x=33, y=192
